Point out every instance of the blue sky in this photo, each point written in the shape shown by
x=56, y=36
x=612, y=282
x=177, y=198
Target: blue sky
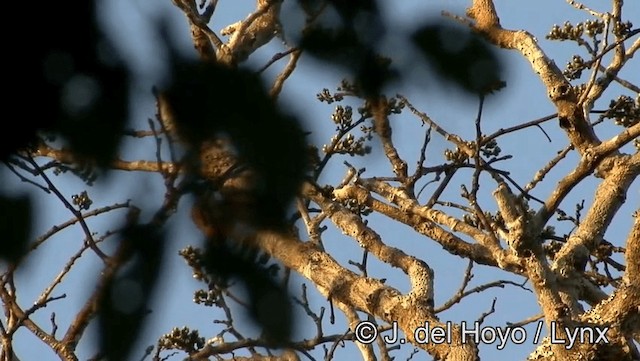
x=523, y=100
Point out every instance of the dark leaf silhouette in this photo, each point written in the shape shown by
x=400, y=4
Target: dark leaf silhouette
x=15, y=221
x=124, y=305
x=349, y=10
x=209, y=100
x=353, y=44
x=269, y=302
x=79, y=90
x=460, y=56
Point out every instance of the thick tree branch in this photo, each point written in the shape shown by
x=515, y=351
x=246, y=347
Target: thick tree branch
x=609, y=197
x=420, y=274
x=559, y=90
x=488, y=244
x=365, y=294
x=632, y=257
x=67, y=157
x=589, y=162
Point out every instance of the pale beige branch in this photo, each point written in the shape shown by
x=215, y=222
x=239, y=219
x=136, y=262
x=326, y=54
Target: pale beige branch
x=259, y=28
x=609, y=197
x=365, y=294
x=61, y=348
x=591, y=160
x=632, y=257
x=67, y=157
x=620, y=311
x=633, y=48
x=545, y=285
x=420, y=274
x=287, y=355
x=366, y=350
x=559, y=90
x=433, y=215
x=286, y=72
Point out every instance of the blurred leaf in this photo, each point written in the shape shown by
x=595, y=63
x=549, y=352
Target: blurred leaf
x=76, y=85
x=15, y=223
x=353, y=44
x=350, y=10
x=125, y=304
x=342, y=48
x=209, y=99
x=269, y=302
x=461, y=57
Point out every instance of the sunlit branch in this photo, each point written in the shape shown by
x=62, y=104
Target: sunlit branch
x=286, y=72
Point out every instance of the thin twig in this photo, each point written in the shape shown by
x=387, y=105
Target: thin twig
x=526, y=321
x=581, y=6
x=532, y=123
x=65, y=271
x=423, y=156
x=484, y=315
x=625, y=83
x=25, y=179
x=329, y=149
x=72, y=209
x=57, y=228
x=475, y=183
x=469, y=151
x=539, y=176
x=448, y=175
x=277, y=57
